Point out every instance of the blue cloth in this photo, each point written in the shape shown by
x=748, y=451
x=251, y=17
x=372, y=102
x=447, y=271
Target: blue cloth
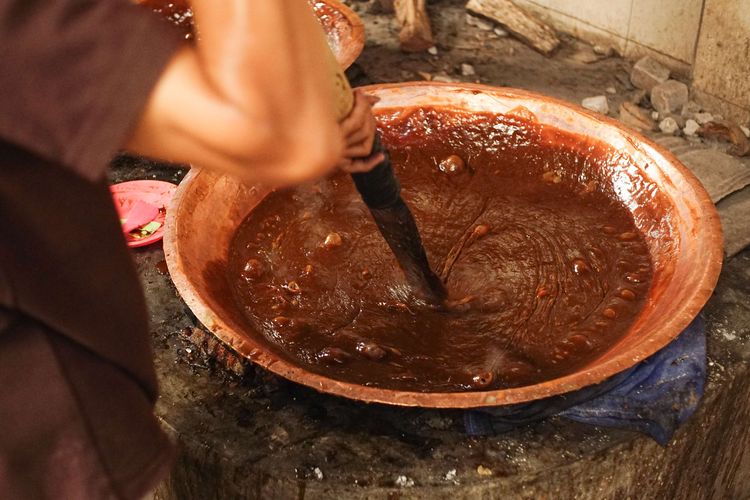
x=654, y=397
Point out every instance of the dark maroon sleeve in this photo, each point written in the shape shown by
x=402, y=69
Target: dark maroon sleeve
x=76, y=74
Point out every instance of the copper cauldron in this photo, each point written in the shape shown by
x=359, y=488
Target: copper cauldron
x=685, y=243
x=345, y=31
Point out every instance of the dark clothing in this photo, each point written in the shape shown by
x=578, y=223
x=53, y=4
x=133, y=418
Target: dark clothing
x=77, y=384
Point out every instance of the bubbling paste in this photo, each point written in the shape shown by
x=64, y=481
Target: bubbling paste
x=545, y=268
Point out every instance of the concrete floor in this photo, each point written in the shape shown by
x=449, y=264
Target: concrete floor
x=248, y=434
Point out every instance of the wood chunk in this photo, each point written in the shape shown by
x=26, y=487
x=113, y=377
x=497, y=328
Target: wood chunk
x=636, y=117
x=416, y=33
x=727, y=131
x=520, y=23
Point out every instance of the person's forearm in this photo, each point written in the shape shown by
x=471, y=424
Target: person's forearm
x=241, y=40
x=243, y=47
x=252, y=97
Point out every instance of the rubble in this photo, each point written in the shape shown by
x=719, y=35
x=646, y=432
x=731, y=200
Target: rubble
x=745, y=130
x=611, y=90
x=675, y=116
x=467, y=70
x=433, y=50
x=703, y=118
x=443, y=78
x=691, y=127
x=500, y=32
x=669, y=96
x=636, y=117
x=690, y=109
x=484, y=471
x=669, y=125
x=647, y=73
x=404, y=482
x=451, y=476
x=603, y=51
x=597, y=103
x=586, y=55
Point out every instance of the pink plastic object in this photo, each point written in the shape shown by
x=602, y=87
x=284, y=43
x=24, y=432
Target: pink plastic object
x=141, y=202
x=140, y=213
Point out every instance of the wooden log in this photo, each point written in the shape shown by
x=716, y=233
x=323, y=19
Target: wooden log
x=518, y=22
x=416, y=33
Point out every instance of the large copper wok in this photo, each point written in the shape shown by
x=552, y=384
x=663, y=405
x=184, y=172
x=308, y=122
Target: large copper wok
x=684, y=238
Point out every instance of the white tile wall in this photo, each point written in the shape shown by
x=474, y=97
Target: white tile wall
x=576, y=27
x=669, y=31
x=609, y=15
x=722, y=65
x=665, y=27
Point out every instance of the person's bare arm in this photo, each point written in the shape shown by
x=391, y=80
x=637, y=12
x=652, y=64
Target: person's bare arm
x=252, y=98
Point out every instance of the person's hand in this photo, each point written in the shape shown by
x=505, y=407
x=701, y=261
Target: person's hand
x=358, y=130
x=252, y=98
